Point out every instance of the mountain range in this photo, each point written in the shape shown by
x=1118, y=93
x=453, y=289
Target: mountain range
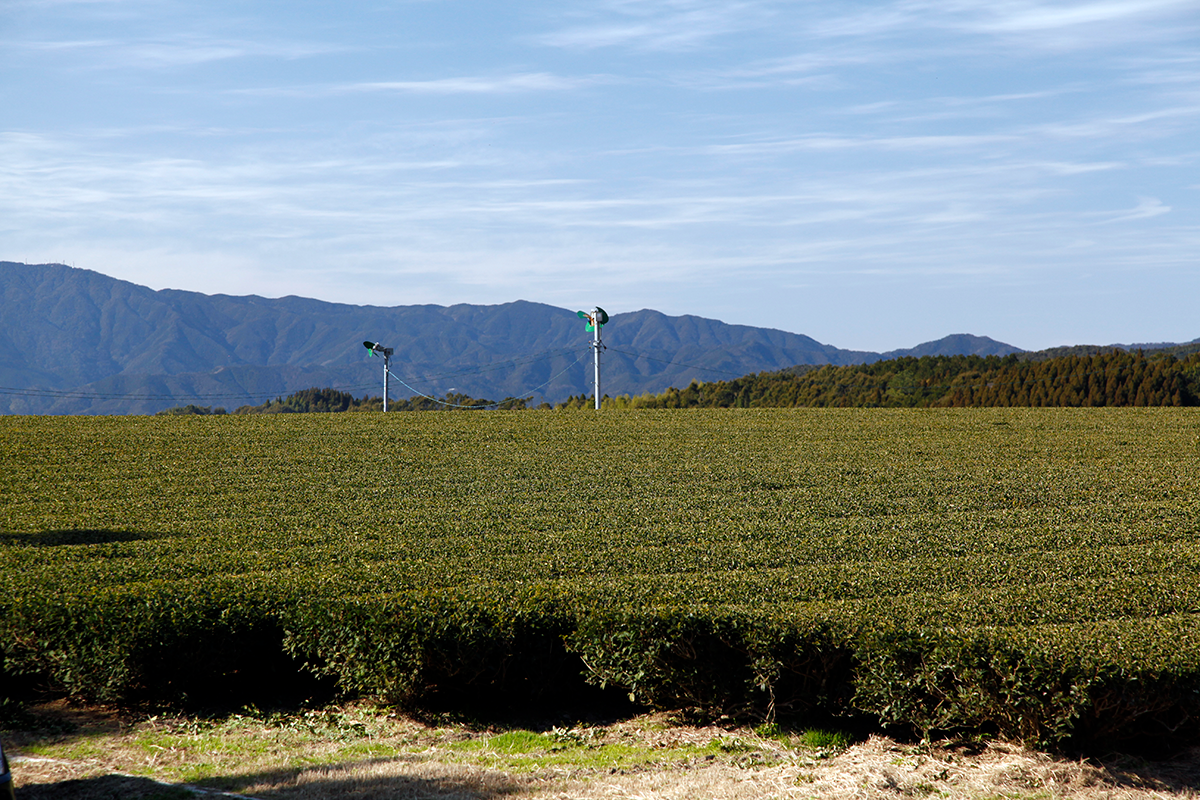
x=74, y=341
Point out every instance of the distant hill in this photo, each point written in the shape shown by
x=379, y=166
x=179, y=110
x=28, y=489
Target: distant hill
x=1167, y=348
x=958, y=344
x=76, y=341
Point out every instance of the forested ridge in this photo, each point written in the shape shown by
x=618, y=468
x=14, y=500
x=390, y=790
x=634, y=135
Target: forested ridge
x=1113, y=378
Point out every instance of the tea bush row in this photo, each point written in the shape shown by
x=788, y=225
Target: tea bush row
x=1083, y=685
x=1030, y=572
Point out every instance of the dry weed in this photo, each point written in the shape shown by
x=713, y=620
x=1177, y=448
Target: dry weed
x=362, y=754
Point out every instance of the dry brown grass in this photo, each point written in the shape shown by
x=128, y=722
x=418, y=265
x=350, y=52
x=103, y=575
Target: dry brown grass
x=361, y=753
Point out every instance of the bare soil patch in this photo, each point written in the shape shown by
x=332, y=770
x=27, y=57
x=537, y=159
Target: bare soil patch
x=362, y=752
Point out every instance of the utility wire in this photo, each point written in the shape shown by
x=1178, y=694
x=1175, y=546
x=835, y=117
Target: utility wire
x=485, y=405
x=98, y=395
x=530, y=359
x=434, y=399
x=578, y=358
x=69, y=393
x=544, y=355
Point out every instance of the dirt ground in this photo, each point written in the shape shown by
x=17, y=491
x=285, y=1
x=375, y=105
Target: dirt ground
x=366, y=753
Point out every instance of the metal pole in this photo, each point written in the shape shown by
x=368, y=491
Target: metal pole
x=386, y=358
x=596, y=347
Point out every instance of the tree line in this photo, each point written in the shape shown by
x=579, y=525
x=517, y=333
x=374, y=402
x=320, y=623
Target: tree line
x=318, y=400
x=1112, y=378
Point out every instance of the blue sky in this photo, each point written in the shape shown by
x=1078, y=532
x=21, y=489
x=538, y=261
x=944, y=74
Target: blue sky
x=872, y=174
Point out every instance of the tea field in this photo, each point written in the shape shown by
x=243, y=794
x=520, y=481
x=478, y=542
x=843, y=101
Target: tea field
x=1028, y=572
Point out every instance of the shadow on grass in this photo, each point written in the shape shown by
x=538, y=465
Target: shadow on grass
x=395, y=780
x=379, y=780
x=283, y=785
x=1180, y=775
x=87, y=536
x=106, y=787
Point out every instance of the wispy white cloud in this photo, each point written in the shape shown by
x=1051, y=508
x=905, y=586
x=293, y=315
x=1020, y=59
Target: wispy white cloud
x=1042, y=23
x=995, y=113
x=501, y=84
x=1145, y=126
x=959, y=145
x=1146, y=208
x=462, y=85
x=1020, y=16
x=25, y=5
x=830, y=40
x=1174, y=75
x=664, y=25
x=1079, y=168
x=814, y=61
x=180, y=51
x=368, y=199
x=816, y=69
x=831, y=142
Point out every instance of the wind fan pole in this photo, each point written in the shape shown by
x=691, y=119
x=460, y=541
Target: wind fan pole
x=597, y=319
x=375, y=348
x=596, y=348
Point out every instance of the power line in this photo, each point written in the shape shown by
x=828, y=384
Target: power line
x=544, y=355
x=74, y=394
x=434, y=399
x=534, y=358
x=486, y=405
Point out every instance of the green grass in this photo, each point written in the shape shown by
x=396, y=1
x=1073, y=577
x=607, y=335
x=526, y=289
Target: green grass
x=815, y=739
x=524, y=751
x=237, y=752
x=520, y=742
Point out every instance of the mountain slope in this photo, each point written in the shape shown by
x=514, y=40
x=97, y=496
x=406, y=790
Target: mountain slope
x=958, y=344
x=76, y=341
